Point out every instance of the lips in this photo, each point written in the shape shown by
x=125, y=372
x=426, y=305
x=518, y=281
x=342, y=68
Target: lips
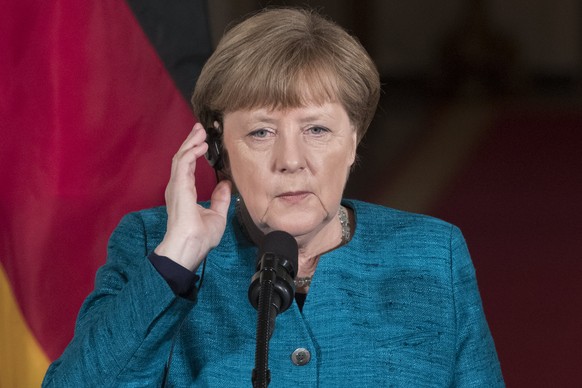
x=294, y=196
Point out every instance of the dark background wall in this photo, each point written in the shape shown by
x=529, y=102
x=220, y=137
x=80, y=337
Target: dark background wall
x=480, y=124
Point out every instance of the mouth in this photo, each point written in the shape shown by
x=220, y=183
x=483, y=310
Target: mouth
x=293, y=196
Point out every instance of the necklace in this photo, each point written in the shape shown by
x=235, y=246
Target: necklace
x=345, y=222
x=305, y=281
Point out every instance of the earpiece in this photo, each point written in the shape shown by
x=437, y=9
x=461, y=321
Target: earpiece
x=214, y=153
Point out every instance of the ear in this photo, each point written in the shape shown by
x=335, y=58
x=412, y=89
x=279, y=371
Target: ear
x=353, y=146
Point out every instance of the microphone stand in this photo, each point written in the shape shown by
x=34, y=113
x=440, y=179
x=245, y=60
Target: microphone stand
x=271, y=292
x=268, y=308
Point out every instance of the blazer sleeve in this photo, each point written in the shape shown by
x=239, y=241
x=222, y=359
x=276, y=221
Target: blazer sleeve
x=476, y=363
x=125, y=327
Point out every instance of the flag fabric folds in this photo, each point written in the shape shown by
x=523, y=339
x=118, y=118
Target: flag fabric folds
x=92, y=108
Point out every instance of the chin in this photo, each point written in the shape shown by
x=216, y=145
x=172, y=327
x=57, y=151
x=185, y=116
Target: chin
x=296, y=225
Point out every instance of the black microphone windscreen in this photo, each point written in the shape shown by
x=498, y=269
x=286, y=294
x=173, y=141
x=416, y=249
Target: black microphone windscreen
x=281, y=244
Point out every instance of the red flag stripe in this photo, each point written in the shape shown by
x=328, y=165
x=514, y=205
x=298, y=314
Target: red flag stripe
x=88, y=132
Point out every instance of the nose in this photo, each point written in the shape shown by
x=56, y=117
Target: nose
x=290, y=154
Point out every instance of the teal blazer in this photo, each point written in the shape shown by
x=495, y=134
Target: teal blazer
x=398, y=306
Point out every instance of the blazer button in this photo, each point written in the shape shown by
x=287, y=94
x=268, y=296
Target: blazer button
x=300, y=356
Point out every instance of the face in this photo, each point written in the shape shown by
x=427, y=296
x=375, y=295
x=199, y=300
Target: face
x=291, y=166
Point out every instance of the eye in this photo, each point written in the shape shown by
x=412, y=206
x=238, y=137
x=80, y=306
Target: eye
x=317, y=130
x=259, y=133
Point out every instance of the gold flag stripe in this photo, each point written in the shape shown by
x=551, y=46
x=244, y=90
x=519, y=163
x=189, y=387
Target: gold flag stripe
x=23, y=361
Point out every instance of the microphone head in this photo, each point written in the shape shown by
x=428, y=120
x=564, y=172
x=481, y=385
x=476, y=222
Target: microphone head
x=283, y=245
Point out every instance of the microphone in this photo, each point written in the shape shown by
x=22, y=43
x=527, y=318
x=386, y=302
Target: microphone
x=271, y=292
x=277, y=262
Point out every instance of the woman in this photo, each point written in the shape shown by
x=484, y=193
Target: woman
x=383, y=297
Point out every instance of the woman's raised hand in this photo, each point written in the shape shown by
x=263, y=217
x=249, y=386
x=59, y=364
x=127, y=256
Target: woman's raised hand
x=192, y=229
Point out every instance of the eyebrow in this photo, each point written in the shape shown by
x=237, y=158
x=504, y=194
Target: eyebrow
x=260, y=117
x=265, y=118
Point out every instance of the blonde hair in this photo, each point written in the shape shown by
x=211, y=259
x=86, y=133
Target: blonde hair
x=285, y=58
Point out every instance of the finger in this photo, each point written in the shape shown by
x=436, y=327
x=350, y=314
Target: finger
x=220, y=198
x=184, y=164
x=198, y=150
x=193, y=148
x=194, y=138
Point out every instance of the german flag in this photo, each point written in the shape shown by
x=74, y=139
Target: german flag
x=93, y=104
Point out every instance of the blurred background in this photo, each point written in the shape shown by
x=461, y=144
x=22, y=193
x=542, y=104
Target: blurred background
x=479, y=123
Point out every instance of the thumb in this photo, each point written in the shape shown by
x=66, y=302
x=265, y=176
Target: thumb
x=220, y=199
